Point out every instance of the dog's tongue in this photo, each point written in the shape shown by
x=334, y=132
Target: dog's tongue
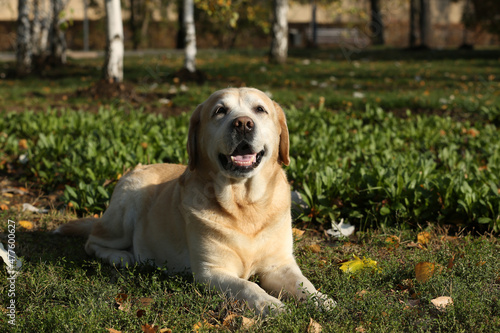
x=243, y=160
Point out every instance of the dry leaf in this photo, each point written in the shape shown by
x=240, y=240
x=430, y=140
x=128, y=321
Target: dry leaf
x=360, y=329
x=360, y=294
x=413, y=244
x=315, y=248
x=4, y=207
x=451, y=263
x=357, y=264
x=442, y=302
x=314, y=327
x=297, y=233
x=112, y=330
x=26, y=224
x=392, y=241
x=23, y=144
x=425, y=270
x=165, y=330
x=231, y=322
x=448, y=238
x=423, y=237
x=149, y=328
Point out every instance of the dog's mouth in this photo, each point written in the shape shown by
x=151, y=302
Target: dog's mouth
x=242, y=159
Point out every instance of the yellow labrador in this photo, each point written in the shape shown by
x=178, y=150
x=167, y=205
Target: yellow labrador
x=224, y=218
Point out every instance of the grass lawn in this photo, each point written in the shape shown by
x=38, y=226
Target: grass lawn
x=403, y=145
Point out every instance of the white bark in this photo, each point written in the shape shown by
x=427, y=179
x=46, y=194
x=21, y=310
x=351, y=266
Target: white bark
x=190, y=37
x=57, y=39
x=113, y=67
x=24, y=45
x=279, y=44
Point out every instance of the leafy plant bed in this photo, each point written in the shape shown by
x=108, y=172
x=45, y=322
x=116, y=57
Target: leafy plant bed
x=370, y=167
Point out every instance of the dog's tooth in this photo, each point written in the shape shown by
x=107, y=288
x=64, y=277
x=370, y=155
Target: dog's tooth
x=232, y=159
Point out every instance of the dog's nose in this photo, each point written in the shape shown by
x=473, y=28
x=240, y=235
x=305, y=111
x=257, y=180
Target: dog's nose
x=243, y=124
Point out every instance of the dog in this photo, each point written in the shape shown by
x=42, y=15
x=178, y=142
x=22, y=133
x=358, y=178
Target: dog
x=224, y=217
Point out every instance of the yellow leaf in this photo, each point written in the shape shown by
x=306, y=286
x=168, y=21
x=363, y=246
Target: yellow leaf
x=425, y=270
x=112, y=330
x=4, y=207
x=315, y=248
x=23, y=144
x=314, y=327
x=26, y=224
x=392, y=242
x=423, y=237
x=297, y=233
x=358, y=264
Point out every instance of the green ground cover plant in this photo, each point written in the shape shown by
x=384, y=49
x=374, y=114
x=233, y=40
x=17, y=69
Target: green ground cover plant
x=392, y=142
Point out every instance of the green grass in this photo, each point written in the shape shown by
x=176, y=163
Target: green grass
x=62, y=289
x=403, y=157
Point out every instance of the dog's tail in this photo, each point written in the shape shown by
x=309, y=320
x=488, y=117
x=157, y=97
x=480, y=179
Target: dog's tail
x=80, y=227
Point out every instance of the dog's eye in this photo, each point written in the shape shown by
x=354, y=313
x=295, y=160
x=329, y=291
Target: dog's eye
x=220, y=110
x=260, y=109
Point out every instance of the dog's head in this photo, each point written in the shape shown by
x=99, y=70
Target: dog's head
x=237, y=132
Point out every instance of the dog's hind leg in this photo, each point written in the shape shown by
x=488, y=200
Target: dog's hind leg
x=111, y=238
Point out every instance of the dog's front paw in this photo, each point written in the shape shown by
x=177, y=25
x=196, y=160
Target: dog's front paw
x=323, y=302
x=269, y=306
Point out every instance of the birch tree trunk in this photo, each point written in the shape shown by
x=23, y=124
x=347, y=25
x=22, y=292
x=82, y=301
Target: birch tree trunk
x=24, y=45
x=376, y=25
x=113, y=65
x=190, y=37
x=57, y=38
x=279, y=44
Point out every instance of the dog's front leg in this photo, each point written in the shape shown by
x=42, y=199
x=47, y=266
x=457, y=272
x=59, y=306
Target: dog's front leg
x=242, y=290
x=290, y=280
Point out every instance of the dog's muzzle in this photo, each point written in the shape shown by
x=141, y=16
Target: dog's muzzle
x=242, y=160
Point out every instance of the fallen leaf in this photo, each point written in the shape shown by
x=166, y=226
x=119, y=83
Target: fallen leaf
x=26, y=224
x=423, y=237
x=23, y=144
x=451, y=263
x=413, y=303
x=4, y=207
x=360, y=294
x=442, y=302
x=360, y=329
x=112, y=330
x=425, y=270
x=149, y=328
x=314, y=327
x=165, y=330
x=358, y=264
x=315, y=248
x=392, y=242
x=297, y=233
x=417, y=245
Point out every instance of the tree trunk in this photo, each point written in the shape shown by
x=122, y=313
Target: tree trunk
x=413, y=30
x=24, y=45
x=57, y=39
x=113, y=65
x=425, y=23
x=181, y=34
x=190, y=37
x=376, y=25
x=279, y=44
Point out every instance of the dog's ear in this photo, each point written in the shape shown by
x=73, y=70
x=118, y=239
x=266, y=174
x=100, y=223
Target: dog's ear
x=192, y=142
x=284, y=149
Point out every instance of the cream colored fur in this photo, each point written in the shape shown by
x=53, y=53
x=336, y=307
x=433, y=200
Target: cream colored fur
x=221, y=226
